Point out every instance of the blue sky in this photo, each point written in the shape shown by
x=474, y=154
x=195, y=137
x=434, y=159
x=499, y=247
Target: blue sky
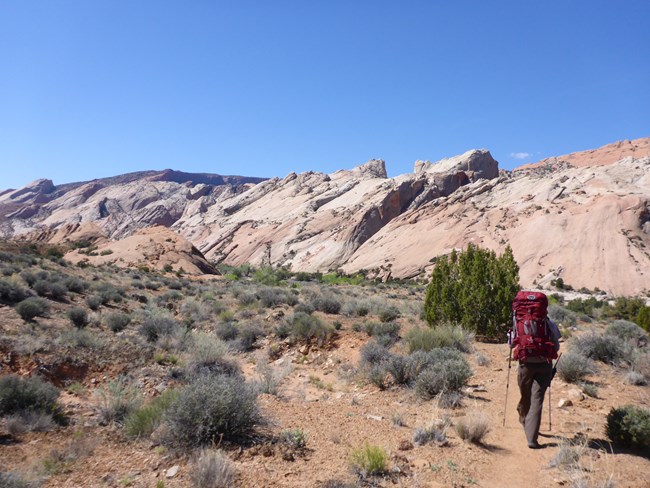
x=95, y=88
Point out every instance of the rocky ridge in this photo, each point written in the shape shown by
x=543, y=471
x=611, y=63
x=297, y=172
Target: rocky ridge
x=584, y=217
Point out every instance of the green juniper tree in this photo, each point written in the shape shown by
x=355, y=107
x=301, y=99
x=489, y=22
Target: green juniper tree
x=474, y=288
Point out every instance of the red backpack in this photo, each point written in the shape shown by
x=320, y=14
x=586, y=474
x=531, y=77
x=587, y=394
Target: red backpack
x=532, y=331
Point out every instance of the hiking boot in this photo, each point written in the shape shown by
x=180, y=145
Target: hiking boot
x=534, y=445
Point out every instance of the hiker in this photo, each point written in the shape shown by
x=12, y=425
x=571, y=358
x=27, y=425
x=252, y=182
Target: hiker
x=534, y=339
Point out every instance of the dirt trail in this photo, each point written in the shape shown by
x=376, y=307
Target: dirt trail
x=512, y=459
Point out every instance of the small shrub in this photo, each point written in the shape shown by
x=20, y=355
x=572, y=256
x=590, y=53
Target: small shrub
x=294, y=438
x=389, y=314
x=319, y=383
x=246, y=299
x=426, y=339
x=94, y=302
x=272, y=297
x=42, y=287
x=473, y=428
x=563, y=316
x=567, y=456
x=449, y=399
x=626, y=330
x=208, y=355
x=117, y=321
x=442, y=376
x=373, y=353
x=377, y=375
x=607, y=349
x=58, y=291
x=418, y=361
x=31, y=308
x=18, y=395
x=213, y=469
x=635, y=378
x=108, y=292
x=16, y=480
x=78, y=317
x=248, y=334
x=574, y=367
x=355, y=309
x=327, y=304
x=28, y=277
x=211, y=407
x=398, y=368
x=75, y=285
x=436, y=433
x=269, y=377
x=227, y=331
x=382, y=329
x=589, y=389
x=304, y=307
x=308, y=328
x=153, y=328
x=481, y=359
x=145, y=420
x=79, y=338
x=11, y=293
x=629, y=426
x=29, y=421
x=369, y=460
x=117, y=401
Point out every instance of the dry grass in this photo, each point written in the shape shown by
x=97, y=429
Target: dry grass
x=473, y=427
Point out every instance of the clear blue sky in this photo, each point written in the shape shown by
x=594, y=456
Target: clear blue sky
x=95, y=88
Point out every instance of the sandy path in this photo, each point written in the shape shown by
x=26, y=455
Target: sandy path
x=512, y=459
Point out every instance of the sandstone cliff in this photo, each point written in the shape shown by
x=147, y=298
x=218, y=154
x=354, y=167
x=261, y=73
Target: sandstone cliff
x=583, y=216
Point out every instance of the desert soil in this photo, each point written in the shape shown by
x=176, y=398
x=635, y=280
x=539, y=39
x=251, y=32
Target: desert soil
x=342, y=414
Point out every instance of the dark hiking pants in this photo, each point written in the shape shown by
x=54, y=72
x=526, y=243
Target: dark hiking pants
x=533, y=380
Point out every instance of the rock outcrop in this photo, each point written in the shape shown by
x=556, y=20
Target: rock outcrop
x=574, y=216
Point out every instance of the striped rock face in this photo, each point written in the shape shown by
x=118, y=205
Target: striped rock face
x=584, y=217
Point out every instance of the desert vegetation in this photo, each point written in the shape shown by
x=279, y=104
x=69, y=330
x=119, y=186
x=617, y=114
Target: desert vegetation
x=240, y=379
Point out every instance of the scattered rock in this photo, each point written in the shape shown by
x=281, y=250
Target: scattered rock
x=173, y=471
x=576, y=394
x=564, y=402
x=266, y=450
x=378, y=418
x=405, y=445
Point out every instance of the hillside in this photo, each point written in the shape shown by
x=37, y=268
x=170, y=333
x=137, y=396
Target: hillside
x=150, y=336
x=584, y=217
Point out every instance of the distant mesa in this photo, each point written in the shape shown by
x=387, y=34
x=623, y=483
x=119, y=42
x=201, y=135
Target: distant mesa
x=584, y=217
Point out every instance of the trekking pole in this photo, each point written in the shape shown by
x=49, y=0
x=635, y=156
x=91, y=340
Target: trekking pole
x=550, y=407
x=507, y=386
x=550, y=401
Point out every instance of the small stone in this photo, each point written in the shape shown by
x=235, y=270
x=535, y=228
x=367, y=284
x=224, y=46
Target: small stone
x=576, y=394
x=564, y=402
x=405, y=445
x=173, y=471
x=378, y=418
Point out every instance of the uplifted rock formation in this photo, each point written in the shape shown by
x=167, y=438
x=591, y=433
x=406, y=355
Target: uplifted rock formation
x=584, y=217
x=316, y=221
x=156, y=247
x=119, y=205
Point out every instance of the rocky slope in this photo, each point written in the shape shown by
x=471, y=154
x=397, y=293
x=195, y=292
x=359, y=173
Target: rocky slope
x=584, y=216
